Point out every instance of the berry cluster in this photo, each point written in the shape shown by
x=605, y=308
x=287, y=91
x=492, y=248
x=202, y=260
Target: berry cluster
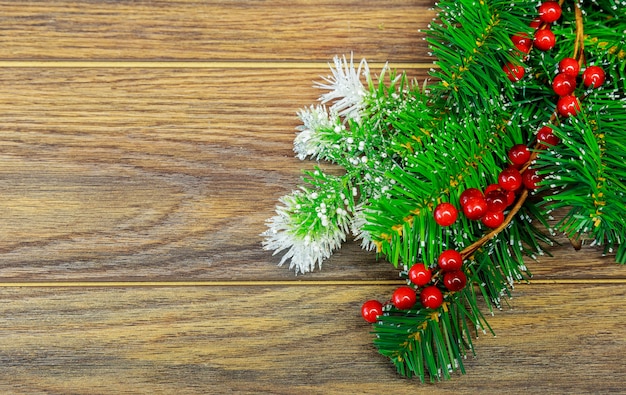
x=423, y=278
x=543, y=39
x=488, y=207
x=564, y=83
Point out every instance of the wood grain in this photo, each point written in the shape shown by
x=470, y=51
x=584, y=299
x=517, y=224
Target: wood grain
x=291, y=339
x=213, y=30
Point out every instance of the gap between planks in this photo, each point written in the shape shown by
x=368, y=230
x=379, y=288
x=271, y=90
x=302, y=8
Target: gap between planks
x=252, y=283
x=189, y=64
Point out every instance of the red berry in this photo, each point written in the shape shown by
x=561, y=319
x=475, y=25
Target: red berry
x=519, y=154
x=549, y=11
x=510, y=197
x=431, y=297
x=593, y=75
x=492, y=187
x=513, y=72
x=563, y=84
x=544, y=40
x=450, y=260
x=522, y=42
x=493, y=219
x=475, y=208
x=419, y=274
x=510, y=179
x=467, y=194
x=404, y=297
x=536, y=23
x=371, y=310
x=531, y=178
x=568, y=105
x=496, y=201
x=569, y=66
x=445, y=214
x=545, y=135
x=455, y=281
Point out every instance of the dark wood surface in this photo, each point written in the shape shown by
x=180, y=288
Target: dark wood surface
x=142, y=147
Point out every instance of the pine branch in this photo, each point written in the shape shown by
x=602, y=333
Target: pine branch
x=311, y=222
x=592, y=186
x=495, y=258
x=467, y=40
x=406, y=151
x=430, y=343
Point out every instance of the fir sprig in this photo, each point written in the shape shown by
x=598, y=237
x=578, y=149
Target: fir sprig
x=593, y=186
x=354, y=132
x=588, y=176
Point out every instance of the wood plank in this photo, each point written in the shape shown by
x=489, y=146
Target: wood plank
x=214, y=30
x=292, y=339
x=164, y=174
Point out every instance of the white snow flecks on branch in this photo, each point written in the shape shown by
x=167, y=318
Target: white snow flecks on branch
x=309, y=141
x=305, y=250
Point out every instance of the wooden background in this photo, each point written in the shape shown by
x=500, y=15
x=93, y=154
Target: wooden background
x=142, y=146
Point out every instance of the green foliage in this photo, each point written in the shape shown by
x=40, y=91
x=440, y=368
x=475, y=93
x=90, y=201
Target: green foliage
x=586, y=173
x=429, y=343
x=468, y=40
x=456, y=135
x=591, y=182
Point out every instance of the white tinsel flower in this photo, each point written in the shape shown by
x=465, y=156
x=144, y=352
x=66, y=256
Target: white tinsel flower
x=305, y=251
x=310, y=141
x=346, y=89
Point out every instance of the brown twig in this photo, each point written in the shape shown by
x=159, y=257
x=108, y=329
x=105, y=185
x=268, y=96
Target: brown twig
x=579, y=44
x=469, y=250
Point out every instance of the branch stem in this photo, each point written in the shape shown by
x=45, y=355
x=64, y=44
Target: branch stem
x=580, y=35
x=469, y=250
